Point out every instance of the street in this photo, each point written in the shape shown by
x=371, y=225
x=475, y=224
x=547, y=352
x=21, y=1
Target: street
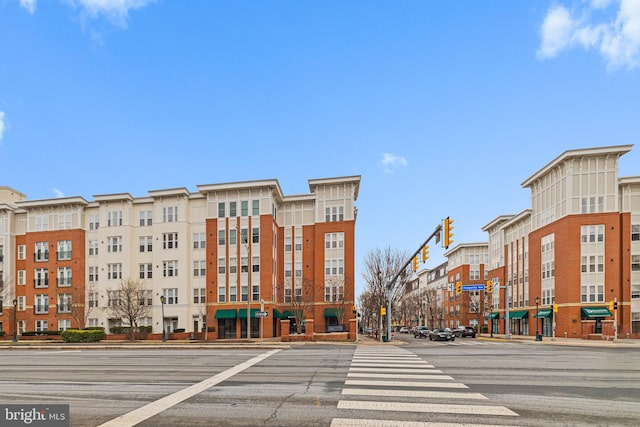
x=468, y=381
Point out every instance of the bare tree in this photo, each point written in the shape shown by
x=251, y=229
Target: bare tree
x=80, y=311
x=380, y=266
x=131, y=304
x=302, y=300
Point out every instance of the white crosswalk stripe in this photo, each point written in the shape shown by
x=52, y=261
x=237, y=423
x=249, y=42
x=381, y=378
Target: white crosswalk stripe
x=394, y=380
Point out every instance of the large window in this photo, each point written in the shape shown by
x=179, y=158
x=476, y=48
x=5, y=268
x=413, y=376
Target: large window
x=145, y=218
x=94, y=222
x=221, y=210
x=170, y=295
x=146, y=244
x=635, y=262
x=635, y=232
x=170, y=268
x=592, y=233
x=42, y=304
x=199, y=268
x=42, y=252
x=635, y=322
x=255, y=207
x=199, y=240
x=146, y=271
x=170, y=214
x=64, y=250
x=592, y=293
x=199, y=295
x=64, y=276
x=594, y=264
x=93, y=247
x=114, y=244
x=114, y=218
x=114, y=271
x=41, y=279
x=170, y=241
x=64, y=303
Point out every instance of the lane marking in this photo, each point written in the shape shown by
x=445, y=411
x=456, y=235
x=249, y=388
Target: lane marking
x=427, y=407
x=346, y=422
x=397, y=370
x=390, y=365
x=138, y=415
x=398, y=376
x=405, y=384
x=413, y=393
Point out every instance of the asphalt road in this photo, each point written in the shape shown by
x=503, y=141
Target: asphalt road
x=465, y=382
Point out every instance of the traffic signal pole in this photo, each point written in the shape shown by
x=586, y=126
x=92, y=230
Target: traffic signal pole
x=390, y=283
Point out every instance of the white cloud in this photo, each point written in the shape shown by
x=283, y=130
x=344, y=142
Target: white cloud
x=2, y=127
x=390, y=162
x=30, y=5
x=58, y=193
x=617, y=40
x=115, y=11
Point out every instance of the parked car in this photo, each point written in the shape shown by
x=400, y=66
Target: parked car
x=465, y=331
x=421, y=332
x=441, y=334
x=404, y=330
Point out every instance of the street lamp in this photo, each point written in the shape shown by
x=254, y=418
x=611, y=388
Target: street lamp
x=15, y=320
x=538, y=337
x=164, y=330
x=491, y=317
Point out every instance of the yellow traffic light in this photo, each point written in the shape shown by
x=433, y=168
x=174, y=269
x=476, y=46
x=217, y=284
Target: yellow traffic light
x=555, y=308
x=425, y=253
x=415, y=263
x=448, y=235
x=489, y=286
x=383, y=311
x=458, y=288
x=611, y=305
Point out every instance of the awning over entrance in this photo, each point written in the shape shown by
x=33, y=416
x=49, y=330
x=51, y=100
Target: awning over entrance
x=330, y=312
x=493, y=316
x=288, y=314
x=517, y=314
x=225, y=314
x=277, y=314
x=591, y=312
x=242, y=313
x=544, y=313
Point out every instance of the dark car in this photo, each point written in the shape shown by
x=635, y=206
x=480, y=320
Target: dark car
x=441, y=334
x=465, y=331
x=421, y=332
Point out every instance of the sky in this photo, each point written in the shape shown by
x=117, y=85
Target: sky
x=442, y=108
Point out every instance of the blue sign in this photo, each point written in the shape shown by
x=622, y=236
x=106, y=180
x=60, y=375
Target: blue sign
x=478, y=287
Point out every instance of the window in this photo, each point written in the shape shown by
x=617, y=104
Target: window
x=63, y=325
x=335, y=213
x=244, y=236
x=233, y=211
x=22, y=252
x=298, y=271
x=635, y=232
x=22, y=277
x=287, y=243
x=199, y=295
x=41, y=279
x=255, y=264
x=146, y=271
x=114, y=271
x=170, y=295
x=221, y=266
x=199, y=240
x=42, y=304
x=170, y=214
x=146, y=243
x=42, y=252
x=113, y=298
x=64, y=250
x=333, y=241
x=298, y=243
x=592, y=293
x=287, y=269
x=170, y=268
x=170, y=241
x=64, y=221
x=221, y=237
x=199, y=268
x=42, y=222
x=635, y=322
x=64, y=276
x=221, y=210
x=42, y=325
x=93, y=247
x=146, y=298
x=592, y=233
x=94, y=222
x=255, y=235
x=114, y=218
x=221, y=293
x=22, y=302
x=244, y=264
x=334, y=267
x=233, y=265
x=635, y=262
x=244, y=208
x=114, y=244
x=64, y=303
x=145, y=218
x=93, y=299
x=93, y=274
x=594, y=264
x=255, y=207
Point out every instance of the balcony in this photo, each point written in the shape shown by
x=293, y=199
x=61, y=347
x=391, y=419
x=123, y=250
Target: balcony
x=64, y=255
x=41, y=256
x=41, y=283
x=63, y=281
x=41, y=309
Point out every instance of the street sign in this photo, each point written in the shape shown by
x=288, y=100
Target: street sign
x=262, y=314
x=476, y=287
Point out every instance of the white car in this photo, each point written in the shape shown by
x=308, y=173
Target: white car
x=404, y=330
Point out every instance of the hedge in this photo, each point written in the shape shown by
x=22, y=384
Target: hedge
x=126, y=329
x=77, y=335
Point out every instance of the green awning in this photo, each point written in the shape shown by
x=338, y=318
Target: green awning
x=242, y=313
x=288, y=314
x=591, y=312
x=330, y=312
x=225, y=314
x=517, y=314
x=544, y=313
x=493, y=316
x=277, y=314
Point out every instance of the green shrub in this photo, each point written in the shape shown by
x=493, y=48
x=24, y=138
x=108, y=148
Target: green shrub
x=3, y=333
x=77, y=335
x=127, y=329
x=179, y=330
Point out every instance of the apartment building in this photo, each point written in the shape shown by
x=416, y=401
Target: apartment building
x=559, y=267
x=205, y=260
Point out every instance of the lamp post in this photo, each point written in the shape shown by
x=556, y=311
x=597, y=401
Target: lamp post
x=538, y=337
x=491, y=317
x=164, y=330
x=15, y=320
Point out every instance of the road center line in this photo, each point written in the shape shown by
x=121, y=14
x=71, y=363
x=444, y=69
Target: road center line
x=138, y=415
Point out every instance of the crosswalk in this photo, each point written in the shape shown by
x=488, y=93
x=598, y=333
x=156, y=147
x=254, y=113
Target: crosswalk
x=392, y=381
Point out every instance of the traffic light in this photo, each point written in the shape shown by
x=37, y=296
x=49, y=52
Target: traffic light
x=383, y=311
x=489, y=286
x=415, y=263
x=458, y=288
x=425, y=253
x=615, y=305
x=555, y=308
x=610, y=305
x=448, y=235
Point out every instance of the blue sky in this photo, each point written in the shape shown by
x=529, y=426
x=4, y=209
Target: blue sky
x=443, y=108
